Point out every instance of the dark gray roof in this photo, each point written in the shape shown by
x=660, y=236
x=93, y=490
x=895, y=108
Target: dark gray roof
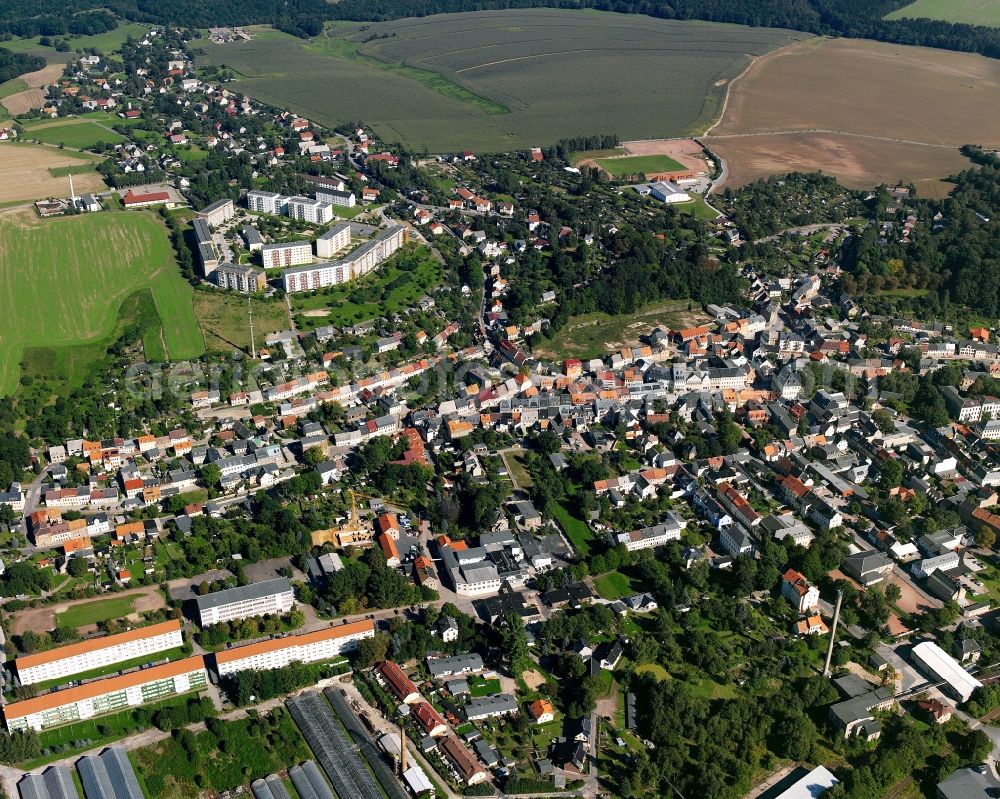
x=55, y=783
x=969, y=783
x=109, y=775
x=244, y=592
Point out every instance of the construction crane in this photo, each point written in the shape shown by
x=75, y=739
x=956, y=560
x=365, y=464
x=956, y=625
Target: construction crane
x=347, y=534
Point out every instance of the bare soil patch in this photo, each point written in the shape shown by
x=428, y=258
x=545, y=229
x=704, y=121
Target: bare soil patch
x=533, y=679
x=44, y=76
x=24, y=173
x=317, y=312
x=891, y=98
x=42, y=619
x=856, y=161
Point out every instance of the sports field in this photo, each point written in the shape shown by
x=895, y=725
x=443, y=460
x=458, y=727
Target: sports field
x=639, y=165
x=862, y=111
x=64, y=281
x=501, y=80
x=100, y=610
x=972, y=12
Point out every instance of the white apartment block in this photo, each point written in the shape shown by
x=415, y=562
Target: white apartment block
x=97, y=653
x=344, y=199
x=652, y=537
x=285, y=254
x=219, y=212
x=306, y=648
x=360, y=262
x=334, y=240
x=106, y=696
x=271, y=597
x=266, y=202
x=306, y=210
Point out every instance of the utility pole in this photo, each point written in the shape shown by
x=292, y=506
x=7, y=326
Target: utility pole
x=253, y=348
x=833, y=632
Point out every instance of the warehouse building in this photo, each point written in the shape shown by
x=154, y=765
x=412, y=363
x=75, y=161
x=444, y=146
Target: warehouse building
x=106, y=696
x=56, y=782
x=257, y=599
x=109, y=775
x=96, y=653
x=306, y=648
x=941, y=666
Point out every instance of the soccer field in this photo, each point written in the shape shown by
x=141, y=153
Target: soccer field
x=64, y=281
x=640, y=165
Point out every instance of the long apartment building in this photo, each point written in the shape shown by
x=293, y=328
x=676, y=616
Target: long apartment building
x=207, y=254
x=267, y=202
x=306, y=648
x=286, y=253
x=97, y=653
x=106, y=696
x=361, y=261
x=257, y=599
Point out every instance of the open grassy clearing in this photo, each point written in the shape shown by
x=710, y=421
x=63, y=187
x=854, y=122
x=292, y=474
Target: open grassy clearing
x=97, y=261
x=596, y=334
x=395, y=286
x=107, y=42
x=862, y=111
x=972, y=12
x=86, y=613
x=12, y=86
x=83, y=134
x=484, y=62
x=576, y=530
x=639, y=165
x=223, y=319
x=25, y=175
x=615, y=585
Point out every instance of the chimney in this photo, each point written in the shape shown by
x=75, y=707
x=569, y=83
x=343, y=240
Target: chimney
x=402, y=750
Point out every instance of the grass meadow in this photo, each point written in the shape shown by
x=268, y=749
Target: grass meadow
x=971, y=12
x=76, y=132
x=107, y=42
x=83, y=614
x=67, y=280
x=502, y=80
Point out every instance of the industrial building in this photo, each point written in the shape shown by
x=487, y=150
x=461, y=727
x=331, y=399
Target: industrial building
x=109, y=775
x=942, y=667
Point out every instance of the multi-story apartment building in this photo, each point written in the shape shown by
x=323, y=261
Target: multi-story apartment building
x=219, y=212
x=359, y=262
x=266, y=202
x=307, y=210
x=286, y=253
x=334, y=240
x=240, y=277
x=106, y=696
x=655, y=536
x=257, y=599
x=306, y=648
x=95, y=653
x=336, y=197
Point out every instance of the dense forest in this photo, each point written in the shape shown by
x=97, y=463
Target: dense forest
x=851, y=18
x=14, y=64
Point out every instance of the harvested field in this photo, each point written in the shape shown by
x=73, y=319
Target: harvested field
x=909, y=108
x=856, y=161
x=32, y=96
x=25, y=175
x=502, y=80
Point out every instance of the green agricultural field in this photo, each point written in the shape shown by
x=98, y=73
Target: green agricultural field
x=12, y=86
x=82, y=134
x=972, y=12
x=502, y=80
x=93, y=612
x=639, y=165
x=67, y=281
x=397, y=284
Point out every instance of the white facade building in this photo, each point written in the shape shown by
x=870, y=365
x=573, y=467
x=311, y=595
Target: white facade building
x=96, y=653
x=306, y=648
x=334, y=240
x=271, y=597
x=285, y=254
